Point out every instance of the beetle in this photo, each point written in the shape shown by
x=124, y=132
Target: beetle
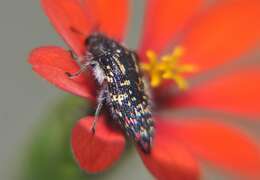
x=122, y=88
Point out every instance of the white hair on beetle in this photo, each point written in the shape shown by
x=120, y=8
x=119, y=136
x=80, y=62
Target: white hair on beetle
x=99, y=73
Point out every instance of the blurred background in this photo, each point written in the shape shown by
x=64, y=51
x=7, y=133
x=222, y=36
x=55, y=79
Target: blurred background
x=32, y=137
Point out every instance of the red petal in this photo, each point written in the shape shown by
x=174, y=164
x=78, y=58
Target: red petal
x=168, y=159
x=236, y=93
x=223, y=33
x=96, y=152
x=110, y=16
x=70, y=21
x=163, y=20
x=52, y=62
x=223, y=145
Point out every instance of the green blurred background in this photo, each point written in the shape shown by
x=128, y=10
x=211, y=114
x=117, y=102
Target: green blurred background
x=36, y=118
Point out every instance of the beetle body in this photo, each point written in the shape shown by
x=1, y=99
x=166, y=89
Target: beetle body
x=122, y=87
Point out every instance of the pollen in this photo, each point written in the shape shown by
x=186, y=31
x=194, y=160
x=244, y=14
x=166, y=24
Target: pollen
x=167, y=67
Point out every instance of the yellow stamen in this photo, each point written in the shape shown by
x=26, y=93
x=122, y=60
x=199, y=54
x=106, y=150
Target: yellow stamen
x=167, y=67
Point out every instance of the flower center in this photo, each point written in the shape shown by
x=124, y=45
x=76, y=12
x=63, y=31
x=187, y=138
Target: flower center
x=168, y=67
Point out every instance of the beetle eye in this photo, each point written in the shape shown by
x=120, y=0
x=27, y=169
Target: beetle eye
x=91, y=40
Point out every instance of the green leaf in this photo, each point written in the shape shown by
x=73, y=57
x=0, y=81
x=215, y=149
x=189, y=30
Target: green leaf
x=49, y=154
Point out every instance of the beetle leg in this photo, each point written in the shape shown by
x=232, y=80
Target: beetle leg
x=101, y=102
x=82, y=69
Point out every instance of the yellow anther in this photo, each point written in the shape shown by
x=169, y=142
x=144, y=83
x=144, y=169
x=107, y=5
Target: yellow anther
x=178, y=51
x=167, y=67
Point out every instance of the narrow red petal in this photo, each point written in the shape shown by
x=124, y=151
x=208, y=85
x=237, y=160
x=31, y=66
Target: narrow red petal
x=168, y=159
x=223, y=33
x=163, y=20
x=52, y=62
x=99, y=151
x=236, y=93
x=221, y=144
x=110, y=16
x=70, y=21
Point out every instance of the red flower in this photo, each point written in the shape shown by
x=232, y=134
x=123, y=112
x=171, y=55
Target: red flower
x=212, y=35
